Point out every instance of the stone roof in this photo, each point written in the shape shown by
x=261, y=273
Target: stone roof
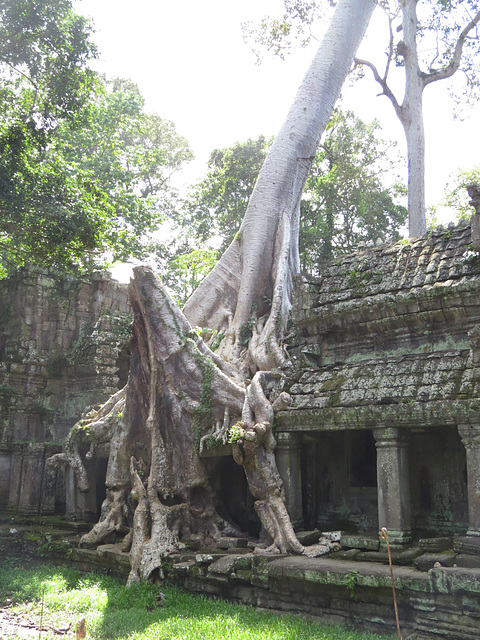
x=388, y=334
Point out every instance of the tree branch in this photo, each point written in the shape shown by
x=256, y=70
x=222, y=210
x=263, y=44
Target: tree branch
x=386, y=91
x=13, y=68
x=453, y=66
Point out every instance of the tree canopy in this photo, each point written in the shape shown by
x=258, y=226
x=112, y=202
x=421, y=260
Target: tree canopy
x=84, y=170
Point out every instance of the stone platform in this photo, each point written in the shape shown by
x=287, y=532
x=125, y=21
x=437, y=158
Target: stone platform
x=437, y=598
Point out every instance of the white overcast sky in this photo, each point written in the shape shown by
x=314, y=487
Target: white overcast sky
x=191, y=64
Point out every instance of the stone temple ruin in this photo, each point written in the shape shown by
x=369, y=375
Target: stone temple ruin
x=384, y=427
x=63, y=347
x=383, y=431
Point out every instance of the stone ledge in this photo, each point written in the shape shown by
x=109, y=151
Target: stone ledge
x=418, y=414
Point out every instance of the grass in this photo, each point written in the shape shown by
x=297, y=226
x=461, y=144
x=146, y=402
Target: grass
x=113, y=611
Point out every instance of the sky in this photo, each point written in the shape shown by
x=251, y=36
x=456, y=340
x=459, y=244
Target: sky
x=193, y=67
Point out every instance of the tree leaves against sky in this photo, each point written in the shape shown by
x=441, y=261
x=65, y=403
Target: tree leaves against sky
x=84, y=171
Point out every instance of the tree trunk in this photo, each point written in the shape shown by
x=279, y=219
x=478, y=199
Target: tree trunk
x=175, y=392
x=179, y=392
x=247, y=295
x=411, y=117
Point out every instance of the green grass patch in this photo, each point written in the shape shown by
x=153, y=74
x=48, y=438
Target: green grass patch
x=113, y=611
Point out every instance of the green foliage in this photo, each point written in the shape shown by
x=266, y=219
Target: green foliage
x=84, y=171
x=456, y=196
x=183, y=273
x=351, y=581
x=237, y=432
x=45, y=49
x=347, y=200
x=217, y=204
x=211, y=215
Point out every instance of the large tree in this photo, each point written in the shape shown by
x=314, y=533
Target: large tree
x=84, y=171
x=179, y=391
x=428, y=41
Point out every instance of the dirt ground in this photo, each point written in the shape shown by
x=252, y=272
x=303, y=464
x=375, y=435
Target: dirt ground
x=15, y=625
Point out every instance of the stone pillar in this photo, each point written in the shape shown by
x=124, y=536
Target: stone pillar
x=49, y=491
x=5, y=469
x=72, y=509
x=287, y=456
x=470, y=435
x=393, y=484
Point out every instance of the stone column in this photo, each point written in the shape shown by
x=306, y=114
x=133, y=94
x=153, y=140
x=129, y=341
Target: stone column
x=287, y=456
x=393, y=484
x=71, y=493
x=470, y=435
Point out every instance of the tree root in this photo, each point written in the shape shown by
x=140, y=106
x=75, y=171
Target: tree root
x=112, y=520
x=254, y=450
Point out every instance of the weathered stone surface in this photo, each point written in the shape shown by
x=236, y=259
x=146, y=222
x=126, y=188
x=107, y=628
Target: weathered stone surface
x=63, y=348
x=386, y=341
x=467, y=561
x=433, y=545
x=360, y=542
x=430, y=560
x=308, y=537
x=376, y=333
x=467, y=544
x=232, y=543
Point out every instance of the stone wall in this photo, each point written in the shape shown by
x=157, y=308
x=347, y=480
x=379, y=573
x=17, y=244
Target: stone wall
x=63, y=347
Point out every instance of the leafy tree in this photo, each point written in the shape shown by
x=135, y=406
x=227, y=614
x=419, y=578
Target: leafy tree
x=345, y=201
x=184, y=271
x=45, y=49
x=126, y=157
x=84, y=171
x=428, y=41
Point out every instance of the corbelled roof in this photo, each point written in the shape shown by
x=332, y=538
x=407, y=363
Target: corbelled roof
x=388, y=334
